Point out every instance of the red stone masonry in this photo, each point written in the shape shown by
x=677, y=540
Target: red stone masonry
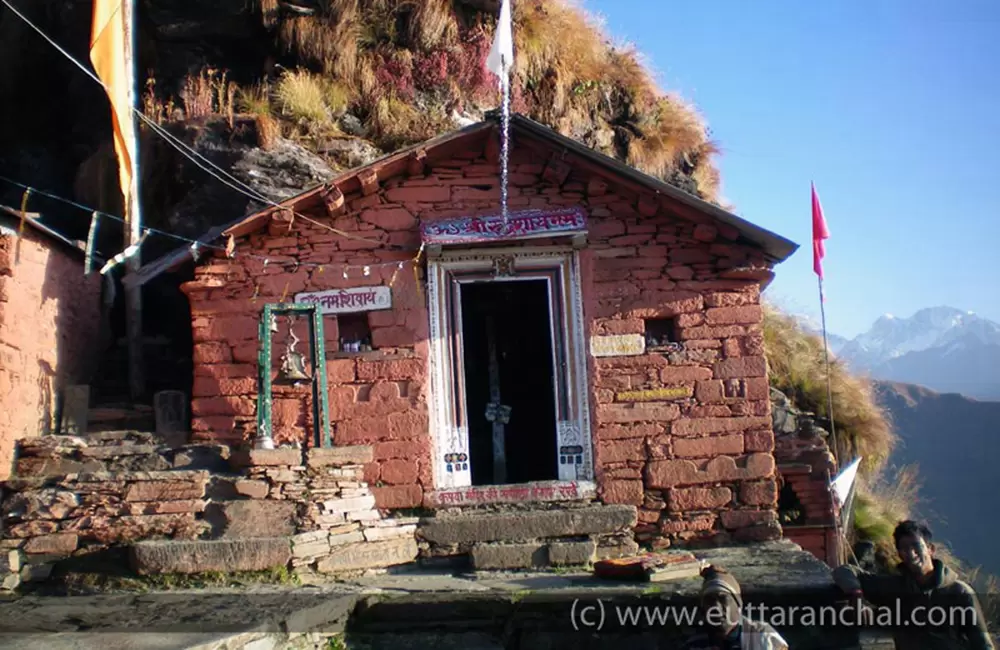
x=49, y=333
x=696, y=466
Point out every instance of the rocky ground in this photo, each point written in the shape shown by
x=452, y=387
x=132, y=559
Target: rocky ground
x=410, y=608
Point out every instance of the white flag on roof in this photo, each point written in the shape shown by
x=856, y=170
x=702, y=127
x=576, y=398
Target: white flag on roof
x=501, y=55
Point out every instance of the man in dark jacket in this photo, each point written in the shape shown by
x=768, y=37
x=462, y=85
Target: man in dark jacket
x=926, y=605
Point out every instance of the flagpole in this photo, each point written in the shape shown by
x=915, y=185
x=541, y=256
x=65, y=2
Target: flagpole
x=829, y=381
x=133, y=293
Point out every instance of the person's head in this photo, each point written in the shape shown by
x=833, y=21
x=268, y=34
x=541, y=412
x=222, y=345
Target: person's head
x=721, y=599
x=914, y=546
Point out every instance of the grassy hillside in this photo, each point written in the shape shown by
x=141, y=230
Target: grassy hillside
x=396, y=72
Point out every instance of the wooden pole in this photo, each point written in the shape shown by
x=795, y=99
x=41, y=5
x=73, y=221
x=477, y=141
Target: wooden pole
x=829, y=379
x=133, y=294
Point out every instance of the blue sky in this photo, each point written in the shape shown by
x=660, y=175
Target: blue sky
x=892, y=107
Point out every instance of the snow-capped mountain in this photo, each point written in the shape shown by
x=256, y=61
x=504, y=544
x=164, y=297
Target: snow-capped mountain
x=946, y=349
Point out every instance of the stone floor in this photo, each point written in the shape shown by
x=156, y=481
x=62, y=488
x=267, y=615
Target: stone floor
x=404, y=608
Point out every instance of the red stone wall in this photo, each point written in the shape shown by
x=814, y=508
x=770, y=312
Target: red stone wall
x=49, y=334
x=700, y=465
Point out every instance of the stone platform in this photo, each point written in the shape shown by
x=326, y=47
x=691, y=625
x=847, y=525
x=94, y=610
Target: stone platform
x=412, y=608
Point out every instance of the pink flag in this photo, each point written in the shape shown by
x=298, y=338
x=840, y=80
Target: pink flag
x=819, y=234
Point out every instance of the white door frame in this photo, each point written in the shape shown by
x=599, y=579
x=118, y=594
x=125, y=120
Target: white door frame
x=560, y=266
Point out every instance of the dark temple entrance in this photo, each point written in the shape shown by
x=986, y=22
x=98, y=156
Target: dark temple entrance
x=508, y=363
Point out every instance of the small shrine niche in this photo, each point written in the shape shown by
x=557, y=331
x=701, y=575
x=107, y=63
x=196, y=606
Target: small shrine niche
x=355, y=333
x=661, y=335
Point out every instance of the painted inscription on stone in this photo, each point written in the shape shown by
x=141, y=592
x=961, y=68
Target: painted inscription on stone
x=342, y=301
x=562, y=491
x=620, y=345
x=654, y=394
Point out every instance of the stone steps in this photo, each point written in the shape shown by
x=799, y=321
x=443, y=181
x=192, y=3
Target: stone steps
x=199, y=556
x=531, y=538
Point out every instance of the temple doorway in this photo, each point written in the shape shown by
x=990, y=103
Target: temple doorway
x=510, y=392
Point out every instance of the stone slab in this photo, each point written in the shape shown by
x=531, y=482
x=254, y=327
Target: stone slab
x=114, y=451
x=541, y=491
x=534, y=524
x=572, y=553
x=283, y=456
x=617, y=345
x=508, y=556
x=210, y=555
x=338, y=456
x=369, y=555
x=251, y=518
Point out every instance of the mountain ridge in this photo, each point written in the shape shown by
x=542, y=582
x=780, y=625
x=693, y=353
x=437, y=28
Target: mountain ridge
x=953, y=441
x=946, y=349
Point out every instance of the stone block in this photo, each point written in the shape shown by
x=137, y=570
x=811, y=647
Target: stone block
x=11, y=561
x=672, y=473
x=288, y=456
x=379, y=533
x=623, y=491
x=744, y=518
x=369, y=555
x=572, y=553
x=508, y=556
x=759, y=493
x=224, y=555
x=35, y=572
x=343, y=539
x=258, y=518
x=621, y=548
x=687, y=499
x=349, y=505
x=741, y=367
x=528, y=525
x=54, y=544
x=165, y=490
x=252, y=489
x=47, y=503
x=707, y=426
x=729, y=445
x=337, y=456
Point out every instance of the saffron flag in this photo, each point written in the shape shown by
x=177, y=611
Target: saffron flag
x=501, y=55
x=109, y=54
x=819, y=234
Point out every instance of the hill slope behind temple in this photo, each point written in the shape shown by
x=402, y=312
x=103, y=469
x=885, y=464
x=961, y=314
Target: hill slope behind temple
x=955, y=441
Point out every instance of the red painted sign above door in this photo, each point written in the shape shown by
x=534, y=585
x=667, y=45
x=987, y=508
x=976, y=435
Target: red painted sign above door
x=525, y=224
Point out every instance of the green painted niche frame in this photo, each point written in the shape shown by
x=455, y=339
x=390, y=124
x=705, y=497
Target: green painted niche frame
x=317, y=360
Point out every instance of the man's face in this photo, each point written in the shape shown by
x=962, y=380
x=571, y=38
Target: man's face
x=917, y=555
x=721, y=611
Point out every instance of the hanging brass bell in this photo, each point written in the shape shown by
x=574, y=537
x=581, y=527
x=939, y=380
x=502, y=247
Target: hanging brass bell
x=293, y=368
x=293, y=364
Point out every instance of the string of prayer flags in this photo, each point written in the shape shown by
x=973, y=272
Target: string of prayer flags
x=124, y=255
x=88, y=265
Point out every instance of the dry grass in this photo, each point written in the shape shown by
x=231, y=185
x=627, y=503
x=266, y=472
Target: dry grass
x=797, y=368
x=567, y=75
x=207, y=94
x=153, y=107
x=301, y=96
x=668, y=131
x=432, y=24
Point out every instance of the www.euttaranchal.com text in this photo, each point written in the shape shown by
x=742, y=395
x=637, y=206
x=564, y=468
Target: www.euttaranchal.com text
x=597, y=614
